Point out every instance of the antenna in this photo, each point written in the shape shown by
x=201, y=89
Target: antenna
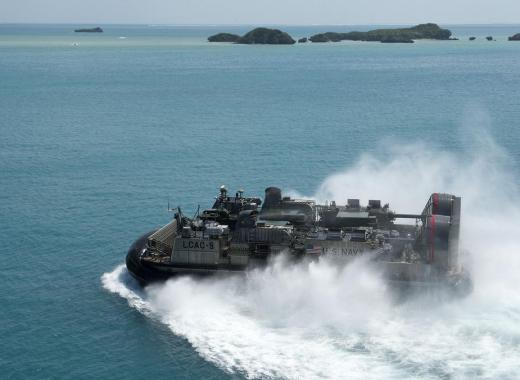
x=196, y=212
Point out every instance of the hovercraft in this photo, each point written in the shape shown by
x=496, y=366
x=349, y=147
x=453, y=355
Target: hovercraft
x=239, y=233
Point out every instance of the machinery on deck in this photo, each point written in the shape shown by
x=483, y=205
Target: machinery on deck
x=239, y=233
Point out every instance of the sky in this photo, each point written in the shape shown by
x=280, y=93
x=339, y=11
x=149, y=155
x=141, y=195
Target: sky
x=268, y=12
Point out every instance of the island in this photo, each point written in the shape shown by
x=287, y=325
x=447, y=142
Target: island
x=302, y=40
x=516, y=37
x=266, y=36
x=224, y=37
x=489, y=38
x=472, y=38
x=89, y=30
x=403, y=35
x=263, y=36
x=395, y=39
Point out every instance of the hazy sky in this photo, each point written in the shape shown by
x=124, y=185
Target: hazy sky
x=261, y=12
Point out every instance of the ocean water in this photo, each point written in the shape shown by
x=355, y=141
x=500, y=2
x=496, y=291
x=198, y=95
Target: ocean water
x=99, y=132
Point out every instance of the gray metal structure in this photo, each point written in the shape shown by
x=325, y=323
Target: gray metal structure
x=239, y=233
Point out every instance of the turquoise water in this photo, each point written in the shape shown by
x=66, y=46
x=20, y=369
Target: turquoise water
x=98, y=132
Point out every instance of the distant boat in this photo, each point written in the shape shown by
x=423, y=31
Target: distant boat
x=89, y=30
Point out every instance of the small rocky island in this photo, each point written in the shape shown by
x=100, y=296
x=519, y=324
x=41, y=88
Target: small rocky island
x=224, y=37
x=266, y=36
x=401, y=35
x=516, y=37
x=89, y=30
x=256, y=36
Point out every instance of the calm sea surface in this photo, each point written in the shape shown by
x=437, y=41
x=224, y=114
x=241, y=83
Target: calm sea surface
x=99, y=131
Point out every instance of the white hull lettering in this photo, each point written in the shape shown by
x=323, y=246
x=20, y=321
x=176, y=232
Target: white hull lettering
x=198, y=244
x=342, y=251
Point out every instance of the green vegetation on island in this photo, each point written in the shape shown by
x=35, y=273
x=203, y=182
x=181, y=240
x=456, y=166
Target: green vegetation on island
x=89, y=30
x=403, y=35
x=516, y=37
x=266, y=36
x=397, y=35
x=394, y=39
x=256, y=36
x=224, y=37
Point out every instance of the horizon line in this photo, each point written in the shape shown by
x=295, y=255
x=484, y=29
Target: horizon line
x=250, y=24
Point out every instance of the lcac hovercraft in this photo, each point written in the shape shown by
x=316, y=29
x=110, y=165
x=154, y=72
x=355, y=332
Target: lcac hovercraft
x=239, y=233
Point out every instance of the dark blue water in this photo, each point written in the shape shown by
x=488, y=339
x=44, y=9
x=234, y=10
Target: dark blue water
x=96, y=138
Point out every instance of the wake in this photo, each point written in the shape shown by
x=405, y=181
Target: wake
x=315, y=320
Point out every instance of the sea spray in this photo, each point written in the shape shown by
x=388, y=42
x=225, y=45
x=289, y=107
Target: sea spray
x=316, y=320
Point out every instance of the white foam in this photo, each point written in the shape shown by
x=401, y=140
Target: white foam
x=120, y=282
x=315, y=320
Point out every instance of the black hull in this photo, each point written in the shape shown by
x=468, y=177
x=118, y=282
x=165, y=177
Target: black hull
x=146, y=273
x=133, y=263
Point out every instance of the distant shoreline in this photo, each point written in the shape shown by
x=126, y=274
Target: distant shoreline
x=83, y=23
